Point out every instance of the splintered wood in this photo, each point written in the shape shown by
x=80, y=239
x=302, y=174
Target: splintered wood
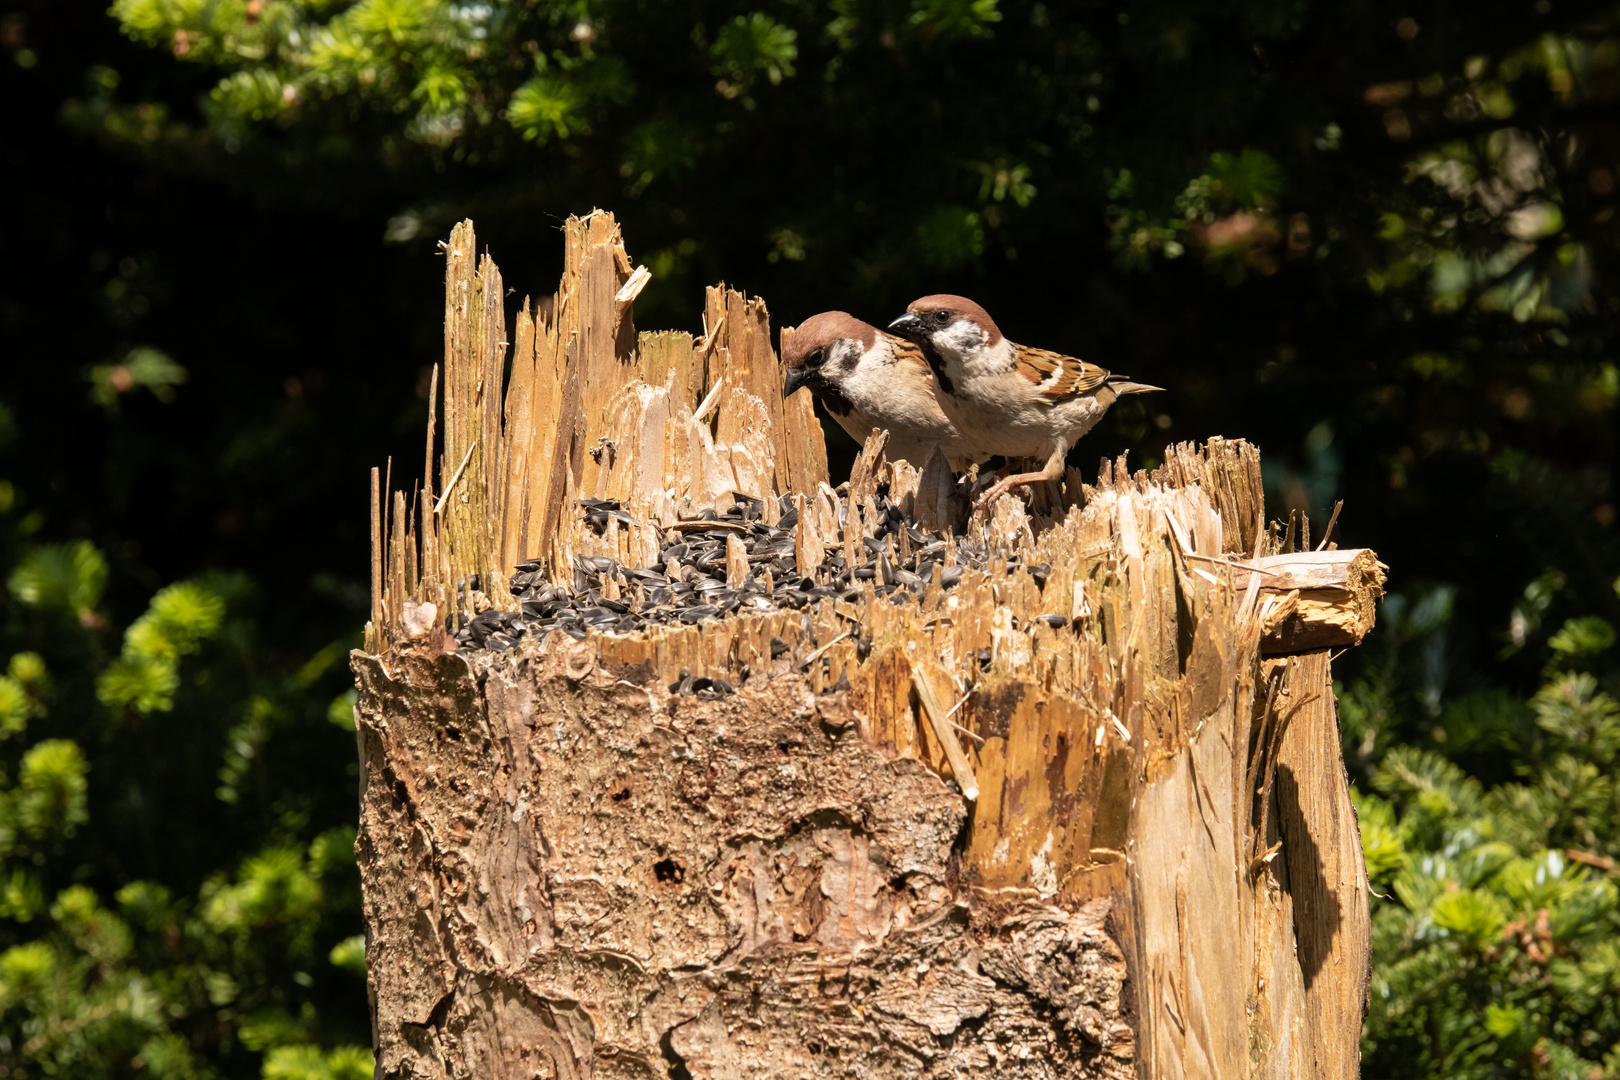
x=590, y=410
x=1054, y=812
x=1324, y=599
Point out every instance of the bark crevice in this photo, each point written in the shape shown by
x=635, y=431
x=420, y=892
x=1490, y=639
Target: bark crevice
x=722, y=885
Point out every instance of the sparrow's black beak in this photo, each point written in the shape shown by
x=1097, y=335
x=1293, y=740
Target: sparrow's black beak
x=908, y=326
x=795, y=378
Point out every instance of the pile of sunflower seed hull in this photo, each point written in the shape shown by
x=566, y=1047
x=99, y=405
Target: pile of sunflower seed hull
x=689, y=584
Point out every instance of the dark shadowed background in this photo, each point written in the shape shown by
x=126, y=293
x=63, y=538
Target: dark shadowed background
x=1375, y=238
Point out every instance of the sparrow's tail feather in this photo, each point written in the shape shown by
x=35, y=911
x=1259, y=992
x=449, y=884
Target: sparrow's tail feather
x=1118, y=386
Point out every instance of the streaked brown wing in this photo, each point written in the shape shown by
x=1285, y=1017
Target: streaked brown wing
x=908, y=352
x=1074, y=377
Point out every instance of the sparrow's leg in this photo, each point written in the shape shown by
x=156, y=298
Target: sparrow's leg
x=1007, y=468
x=1052, y=471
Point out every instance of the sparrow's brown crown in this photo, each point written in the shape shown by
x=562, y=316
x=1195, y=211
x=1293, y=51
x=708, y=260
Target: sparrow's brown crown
x=943, y=309
x=820, y=331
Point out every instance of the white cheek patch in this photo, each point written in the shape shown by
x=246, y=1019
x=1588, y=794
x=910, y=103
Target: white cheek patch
x=960, y=338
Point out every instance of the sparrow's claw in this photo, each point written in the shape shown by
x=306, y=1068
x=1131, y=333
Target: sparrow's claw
x=1002, y=488
x=1054, y=469
x=982, y=482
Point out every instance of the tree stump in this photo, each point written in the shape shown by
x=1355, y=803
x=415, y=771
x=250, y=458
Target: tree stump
x=1072, y=806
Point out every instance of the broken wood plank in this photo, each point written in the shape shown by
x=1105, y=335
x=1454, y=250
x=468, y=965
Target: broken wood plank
x=1337, y=601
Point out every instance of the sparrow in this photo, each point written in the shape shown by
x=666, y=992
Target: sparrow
x=868, y=379
x=1006, y=398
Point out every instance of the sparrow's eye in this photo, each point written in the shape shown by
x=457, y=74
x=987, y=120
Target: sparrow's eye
x=942, y=316
x=815, y=357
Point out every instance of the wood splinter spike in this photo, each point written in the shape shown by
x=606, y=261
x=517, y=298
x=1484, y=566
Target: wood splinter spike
x=667, y=745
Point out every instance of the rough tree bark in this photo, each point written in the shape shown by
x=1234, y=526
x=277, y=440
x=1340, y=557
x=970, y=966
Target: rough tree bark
x=1131, y=853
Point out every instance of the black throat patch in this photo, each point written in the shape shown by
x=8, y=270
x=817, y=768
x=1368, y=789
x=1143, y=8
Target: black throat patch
x=936, y=364
x=828, y=394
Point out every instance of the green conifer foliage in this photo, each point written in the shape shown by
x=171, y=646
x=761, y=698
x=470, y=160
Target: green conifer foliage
x=1496, y=917
x=224, y=978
